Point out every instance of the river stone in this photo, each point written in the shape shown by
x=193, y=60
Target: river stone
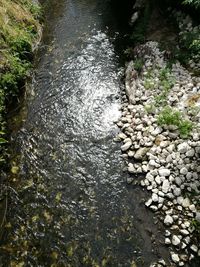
x=186, y=202
x=131, y=169
x=175, y=240
x=177, y=191
x=126, y=146
x=148, y=203
x=165, y=186
x=190, y=153
x=167, y=241
x=183, y=147
x=197, y=216
x=175, y=257
x=155, y=197
x=183, y=171
x=131, y=153
x=164, y=172
x=141, y=153
x=168, y=220
x=122, y=136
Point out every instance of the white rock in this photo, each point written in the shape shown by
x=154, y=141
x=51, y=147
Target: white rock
x=131, y=153
x=126, y=146
x=155, y=197
x=197, y=216
x=177, y=192
x=175, y=240
x=131, y=169
x=194, y=248
x=183, y=171
x=154, y=208
x=175, y=257
x=183, y=147
x=122, y=136
x=141, y=153
x=158, y=180
x=190, y=153
x=149, y=177
x=148, y=203
x=153, y=163
x=164, y=172
x=184, y=232
x=192, y=208
x=165, y=186
x=186, y=202
x=168, y=220
x=167, y=241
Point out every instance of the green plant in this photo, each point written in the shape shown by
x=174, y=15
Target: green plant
x=150, y=108
x=194, y=3
x=185, y=127
x=140, y=29
x=148, y=84
x=196, y=225
x=169, y=116
x=138, y=64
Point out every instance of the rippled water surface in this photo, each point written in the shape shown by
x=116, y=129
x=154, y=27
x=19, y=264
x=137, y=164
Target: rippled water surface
x=72, y=206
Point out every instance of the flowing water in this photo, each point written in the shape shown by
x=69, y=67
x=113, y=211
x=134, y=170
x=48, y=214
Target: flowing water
x=72, y=206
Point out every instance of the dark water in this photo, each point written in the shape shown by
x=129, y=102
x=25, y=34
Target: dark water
x=72, y=206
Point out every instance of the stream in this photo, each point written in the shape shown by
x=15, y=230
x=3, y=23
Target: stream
x=72, y=205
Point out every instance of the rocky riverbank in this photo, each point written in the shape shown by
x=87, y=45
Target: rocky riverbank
x=161, y=144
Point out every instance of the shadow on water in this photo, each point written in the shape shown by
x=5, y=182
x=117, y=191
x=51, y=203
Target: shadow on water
x=71, y=205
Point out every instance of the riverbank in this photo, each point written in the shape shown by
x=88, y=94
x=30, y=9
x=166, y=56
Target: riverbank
x=20, y=34
x=160, y=132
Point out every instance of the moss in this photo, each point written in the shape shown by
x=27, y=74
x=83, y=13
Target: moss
x=19, y=28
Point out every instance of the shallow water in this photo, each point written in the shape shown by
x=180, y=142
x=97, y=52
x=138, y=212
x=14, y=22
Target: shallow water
x=72, y=206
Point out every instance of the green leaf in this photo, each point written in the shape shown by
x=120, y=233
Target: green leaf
x=3, y=141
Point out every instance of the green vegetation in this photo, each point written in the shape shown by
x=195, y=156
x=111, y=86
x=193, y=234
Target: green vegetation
x=169, y=116
x=193, y=3
x=141, y=26
x=138, y=64
x=189, y=43
x=19, y=29
x=165, y=83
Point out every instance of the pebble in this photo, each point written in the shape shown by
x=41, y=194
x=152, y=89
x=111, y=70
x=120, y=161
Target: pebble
x=126, y=146
x=175, y=240
x=175, y=257
x=165, y=186
x=164, y=172
x=183, y=147
x=168, y=220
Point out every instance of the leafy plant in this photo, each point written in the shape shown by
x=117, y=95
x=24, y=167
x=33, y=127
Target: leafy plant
x=169, y=116
x=140, y=29
x=194, y=3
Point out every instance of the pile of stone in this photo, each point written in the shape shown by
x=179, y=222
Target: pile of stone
x=168, y=161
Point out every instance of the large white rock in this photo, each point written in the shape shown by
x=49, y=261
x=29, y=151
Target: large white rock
x=122, y=136
x=175, y=257
x=190, y=153
x=155, y=197
x=168, y=220
x=175, y=240
x=126, y=146
x=183, y=147
x=141, y=153
x=164, y=172
x=186, y=202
